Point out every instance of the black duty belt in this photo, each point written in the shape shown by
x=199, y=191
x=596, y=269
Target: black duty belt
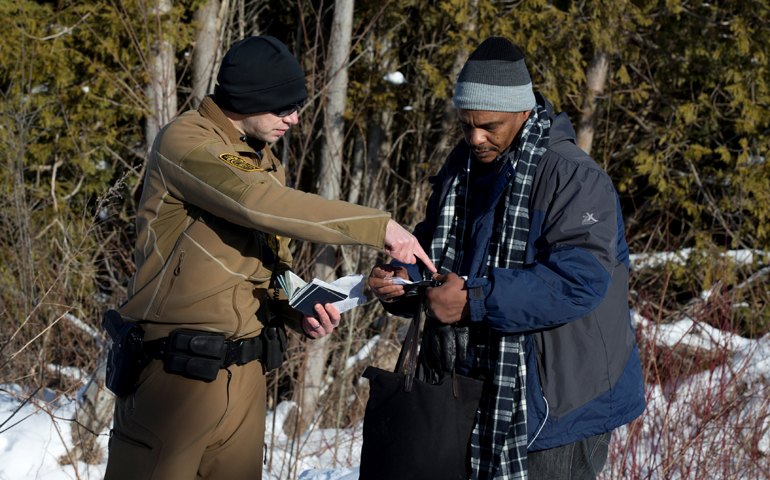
x=200, y=355
x=190, y=353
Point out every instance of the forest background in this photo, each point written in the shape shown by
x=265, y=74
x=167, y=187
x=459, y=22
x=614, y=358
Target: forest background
x=670, y=97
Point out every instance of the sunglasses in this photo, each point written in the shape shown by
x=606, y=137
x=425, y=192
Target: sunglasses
x=289, y=109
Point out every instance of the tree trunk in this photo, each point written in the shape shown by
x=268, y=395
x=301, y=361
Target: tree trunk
x=221, y=27
x=449, y=122
x=16, y=148
x=380, y=144
x=596, y=75
x=204, y=56
x=351, y=255
x=328, y=183
x=357, y=170
x=161, y=91
x=97, y=402
x=380, y=139
x=241, y=19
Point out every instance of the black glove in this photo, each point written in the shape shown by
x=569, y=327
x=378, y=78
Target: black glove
x=443, y=347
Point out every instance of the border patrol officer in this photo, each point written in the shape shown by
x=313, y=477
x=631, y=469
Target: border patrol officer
x=204, y=318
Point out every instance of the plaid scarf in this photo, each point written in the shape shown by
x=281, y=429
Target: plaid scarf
x=499, y=439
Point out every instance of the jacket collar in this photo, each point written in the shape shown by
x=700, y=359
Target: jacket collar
x=211, y=111
x=561, y=126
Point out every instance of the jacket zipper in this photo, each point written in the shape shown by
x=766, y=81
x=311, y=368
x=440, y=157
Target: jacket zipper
x=542, y=424
x=176, y=272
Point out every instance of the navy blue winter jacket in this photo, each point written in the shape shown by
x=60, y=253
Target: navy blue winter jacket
x=584, y=376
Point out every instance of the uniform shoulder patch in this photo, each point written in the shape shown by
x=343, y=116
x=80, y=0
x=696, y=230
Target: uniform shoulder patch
x=239, y=162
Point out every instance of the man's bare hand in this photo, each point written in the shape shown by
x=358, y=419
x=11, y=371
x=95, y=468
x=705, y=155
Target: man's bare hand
x=449, y=302
x=326, y=320
x=402, y=246
x=381, y=282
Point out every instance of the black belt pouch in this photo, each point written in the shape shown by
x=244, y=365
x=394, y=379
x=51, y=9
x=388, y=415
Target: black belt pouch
x=195, y=354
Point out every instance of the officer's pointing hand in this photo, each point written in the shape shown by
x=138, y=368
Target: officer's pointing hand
x=327, y=319
x=402, y=246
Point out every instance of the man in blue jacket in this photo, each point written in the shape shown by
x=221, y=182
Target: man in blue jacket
x=528, y=238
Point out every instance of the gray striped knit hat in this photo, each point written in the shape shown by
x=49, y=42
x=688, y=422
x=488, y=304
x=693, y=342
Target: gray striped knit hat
x=495, y=79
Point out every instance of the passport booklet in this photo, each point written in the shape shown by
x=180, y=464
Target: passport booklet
x=344, y=293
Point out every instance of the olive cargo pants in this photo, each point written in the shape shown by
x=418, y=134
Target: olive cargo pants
x=173, y=427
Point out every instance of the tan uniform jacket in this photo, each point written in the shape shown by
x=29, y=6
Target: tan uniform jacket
x=215, y=275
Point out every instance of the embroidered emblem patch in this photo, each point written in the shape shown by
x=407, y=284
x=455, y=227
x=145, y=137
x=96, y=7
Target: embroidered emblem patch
x=239, y=163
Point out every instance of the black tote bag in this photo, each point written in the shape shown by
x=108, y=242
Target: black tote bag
x=415, y=430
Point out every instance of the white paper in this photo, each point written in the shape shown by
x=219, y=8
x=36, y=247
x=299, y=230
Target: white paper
x=353, y=287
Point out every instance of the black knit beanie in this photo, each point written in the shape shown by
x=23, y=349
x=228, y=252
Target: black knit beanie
x=495, y=79
x=259, y=74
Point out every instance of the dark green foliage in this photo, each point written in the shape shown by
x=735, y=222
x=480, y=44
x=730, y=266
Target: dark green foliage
x=72, y=105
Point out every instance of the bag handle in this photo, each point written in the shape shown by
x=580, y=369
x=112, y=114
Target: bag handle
x=416, y=289
x=410, y=344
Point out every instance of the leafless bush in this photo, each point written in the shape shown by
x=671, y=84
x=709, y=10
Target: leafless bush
x=708, y=413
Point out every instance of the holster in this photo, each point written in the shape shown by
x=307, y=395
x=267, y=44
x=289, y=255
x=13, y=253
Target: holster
x=126, y=360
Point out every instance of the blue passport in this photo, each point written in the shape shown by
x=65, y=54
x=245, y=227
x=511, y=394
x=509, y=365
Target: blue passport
x=308, y=297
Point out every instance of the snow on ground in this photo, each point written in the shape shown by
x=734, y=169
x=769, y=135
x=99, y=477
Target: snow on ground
x=711, y=424
x=36, y=436
x=688, y=332
x=639, y=261
x=315, y=452
x=332, y=474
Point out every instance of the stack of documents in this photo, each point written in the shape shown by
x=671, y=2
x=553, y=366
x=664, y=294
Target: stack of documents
x=344, y=293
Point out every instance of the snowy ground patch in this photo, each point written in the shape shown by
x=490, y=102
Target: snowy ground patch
x=711, y=424
x=320, y=454
x=333, y=474
x=714, y=423
x=36, y=436
x=640, y=261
